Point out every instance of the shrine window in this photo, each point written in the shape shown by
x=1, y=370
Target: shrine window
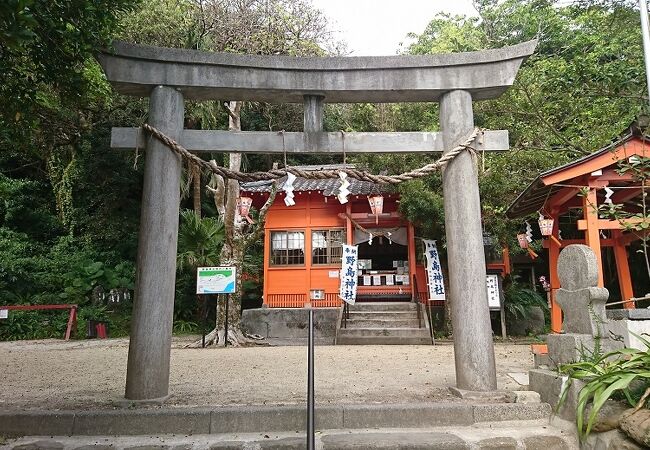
x=326, y=246
x=287, y=248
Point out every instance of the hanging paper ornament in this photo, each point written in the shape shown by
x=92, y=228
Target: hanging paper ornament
x=343, y=188
x=244, y=207
x=559, y=234
x=608, y=195
x=370, y=240
x=546, y=227
x=529, y=232
x=288, y=190
x=523, y=241
x=376, y=206
x=388, y=235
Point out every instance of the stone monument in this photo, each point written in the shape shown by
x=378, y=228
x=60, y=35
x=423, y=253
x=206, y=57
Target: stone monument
x=583, y=304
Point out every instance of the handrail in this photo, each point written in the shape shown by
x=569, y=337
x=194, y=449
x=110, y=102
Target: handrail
x=415, y=297
x=427, y=306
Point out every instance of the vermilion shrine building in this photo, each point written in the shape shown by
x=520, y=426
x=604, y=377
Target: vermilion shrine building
x=302, y=244
x=558, y=194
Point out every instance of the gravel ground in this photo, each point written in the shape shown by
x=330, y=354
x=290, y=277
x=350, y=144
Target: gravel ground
x=53, y=374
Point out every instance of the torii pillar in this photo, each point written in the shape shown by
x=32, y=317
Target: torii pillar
x=470, y=313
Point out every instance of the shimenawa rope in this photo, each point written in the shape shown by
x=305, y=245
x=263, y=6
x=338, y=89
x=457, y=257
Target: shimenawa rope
x=274, y=174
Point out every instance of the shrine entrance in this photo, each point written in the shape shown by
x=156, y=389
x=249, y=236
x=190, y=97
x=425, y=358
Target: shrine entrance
x=169, y=76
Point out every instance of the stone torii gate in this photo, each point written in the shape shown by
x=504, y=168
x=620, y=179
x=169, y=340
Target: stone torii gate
x=168, y=76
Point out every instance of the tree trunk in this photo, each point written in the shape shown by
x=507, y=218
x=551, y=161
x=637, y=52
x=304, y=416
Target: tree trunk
x=232, y=252
x=196, y=189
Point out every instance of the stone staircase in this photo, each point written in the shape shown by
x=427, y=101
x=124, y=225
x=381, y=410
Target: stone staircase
x=438, y=426
x=384, y=323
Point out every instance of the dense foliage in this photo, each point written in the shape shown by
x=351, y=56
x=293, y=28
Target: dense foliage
x=69, y=205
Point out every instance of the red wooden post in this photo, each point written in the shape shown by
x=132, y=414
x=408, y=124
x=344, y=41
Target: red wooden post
x=72, y=322
x=553, y=255
x=592, y=232
x=623, y=270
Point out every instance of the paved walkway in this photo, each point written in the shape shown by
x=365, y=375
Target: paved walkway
x=62, y=375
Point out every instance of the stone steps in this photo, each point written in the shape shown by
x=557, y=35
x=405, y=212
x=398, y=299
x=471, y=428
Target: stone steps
x=388, y=322
x=443, y=425
x=383, y=323
x=524, y=434
x=383, y=315
x=256, y=419
x=383, y=306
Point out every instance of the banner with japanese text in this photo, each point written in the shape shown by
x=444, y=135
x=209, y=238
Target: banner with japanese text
x=434, y=271
x=349, y=272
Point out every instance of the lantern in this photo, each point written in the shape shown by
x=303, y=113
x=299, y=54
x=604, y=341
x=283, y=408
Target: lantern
x=546, y=227
x=523, y=241
x=522, y=238
x=376, y=205
x=245, y=206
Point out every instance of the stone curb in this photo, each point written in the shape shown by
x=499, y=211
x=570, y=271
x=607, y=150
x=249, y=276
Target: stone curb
x=245, y=419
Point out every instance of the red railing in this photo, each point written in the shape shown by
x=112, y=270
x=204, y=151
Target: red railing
x=331, y=300
x=72, y=318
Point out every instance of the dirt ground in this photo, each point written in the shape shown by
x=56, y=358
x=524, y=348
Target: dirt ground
x=53, y=374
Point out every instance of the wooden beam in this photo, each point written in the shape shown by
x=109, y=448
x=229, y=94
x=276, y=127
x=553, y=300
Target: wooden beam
x=363, y=216
x=630, y=237
x=612, y=175
x=604, y=224
x=293, y=142
x=565, y=242
x=625, y=195
x=634, y=146
x=562, y=196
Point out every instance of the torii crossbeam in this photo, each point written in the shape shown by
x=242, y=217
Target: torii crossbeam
x=168, y=76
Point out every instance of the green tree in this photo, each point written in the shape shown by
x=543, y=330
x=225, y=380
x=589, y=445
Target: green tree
x=583, y=86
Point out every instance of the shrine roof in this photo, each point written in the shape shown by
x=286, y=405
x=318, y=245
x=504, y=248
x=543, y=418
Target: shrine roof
x=328, y=186
x=551, y=182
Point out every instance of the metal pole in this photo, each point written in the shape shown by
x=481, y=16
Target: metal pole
x=225, y=344
x=205, y=319
x=645, y=32
x=311, y=437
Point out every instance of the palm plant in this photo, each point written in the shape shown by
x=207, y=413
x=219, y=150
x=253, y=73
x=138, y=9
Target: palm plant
x=199, y=241
x=624, y=372
x=519, y=299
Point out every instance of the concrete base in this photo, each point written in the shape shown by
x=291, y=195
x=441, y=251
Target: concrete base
x=253, y=419
x=628, y=328
x=549, y=384
x=290, y=324
x=489, y=396
x=126, y=403
x=529, y=434
x=569, y=348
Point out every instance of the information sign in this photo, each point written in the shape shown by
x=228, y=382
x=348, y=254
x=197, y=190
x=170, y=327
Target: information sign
x=215, y=280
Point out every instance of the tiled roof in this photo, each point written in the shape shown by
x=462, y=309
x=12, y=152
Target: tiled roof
x=327, y=187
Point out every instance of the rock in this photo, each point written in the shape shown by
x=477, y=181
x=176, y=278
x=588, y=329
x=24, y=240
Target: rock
x=610, y=440
x=500, y=443
x=40, y=445
x=545, y=443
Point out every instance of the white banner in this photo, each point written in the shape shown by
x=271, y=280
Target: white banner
x=434, y=271
x=494, y=297
x=349, y=272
